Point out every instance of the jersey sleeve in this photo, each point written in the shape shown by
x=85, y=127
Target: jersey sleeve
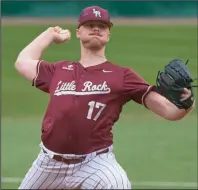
x=44, y=74
x=135, y=87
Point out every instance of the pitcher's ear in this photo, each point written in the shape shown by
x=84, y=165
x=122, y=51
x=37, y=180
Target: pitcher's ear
x=77, y=33
x=109, y=36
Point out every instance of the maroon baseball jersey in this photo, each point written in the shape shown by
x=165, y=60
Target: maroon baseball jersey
x=84, y=103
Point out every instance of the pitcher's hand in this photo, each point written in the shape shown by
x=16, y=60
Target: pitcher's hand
x=60, y=36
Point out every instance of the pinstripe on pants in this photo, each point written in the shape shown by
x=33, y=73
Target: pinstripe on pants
x=99, y=172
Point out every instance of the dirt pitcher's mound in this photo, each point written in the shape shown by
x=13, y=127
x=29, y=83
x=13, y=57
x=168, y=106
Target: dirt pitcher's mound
x=116, y=21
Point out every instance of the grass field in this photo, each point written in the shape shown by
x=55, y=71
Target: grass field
x=154, y=152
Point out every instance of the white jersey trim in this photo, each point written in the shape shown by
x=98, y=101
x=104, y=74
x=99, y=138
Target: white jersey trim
x=37, y=72
x=79, y=93
x=144, y=95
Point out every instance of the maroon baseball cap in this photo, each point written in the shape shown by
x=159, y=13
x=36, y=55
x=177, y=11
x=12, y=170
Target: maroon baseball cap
x=94, y=13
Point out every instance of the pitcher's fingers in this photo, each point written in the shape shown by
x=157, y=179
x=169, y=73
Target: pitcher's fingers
x=183, y=96
x=187, y=90
x=57, y=28
x=182, y=99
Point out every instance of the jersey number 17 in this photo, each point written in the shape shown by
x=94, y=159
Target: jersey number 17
x=95, y=105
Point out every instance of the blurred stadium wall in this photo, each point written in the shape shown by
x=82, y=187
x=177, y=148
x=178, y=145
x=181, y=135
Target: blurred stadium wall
x=187, y=9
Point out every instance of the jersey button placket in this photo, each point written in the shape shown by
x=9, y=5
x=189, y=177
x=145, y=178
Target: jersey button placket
x=80, y=85
x=81, y=80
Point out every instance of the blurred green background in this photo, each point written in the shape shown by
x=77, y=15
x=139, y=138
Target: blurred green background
x=154, y=152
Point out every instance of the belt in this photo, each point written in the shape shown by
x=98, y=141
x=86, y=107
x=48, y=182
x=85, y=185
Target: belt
x=74, y=160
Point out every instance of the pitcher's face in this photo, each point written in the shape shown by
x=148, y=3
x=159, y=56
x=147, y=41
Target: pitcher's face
x=93, y=34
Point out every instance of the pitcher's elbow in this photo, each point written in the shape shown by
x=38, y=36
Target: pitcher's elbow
x=176, y=116
x=173, y=118
x=18, y=65
x=21, y=66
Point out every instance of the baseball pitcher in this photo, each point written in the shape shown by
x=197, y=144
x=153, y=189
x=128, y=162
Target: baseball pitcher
x=86, y=99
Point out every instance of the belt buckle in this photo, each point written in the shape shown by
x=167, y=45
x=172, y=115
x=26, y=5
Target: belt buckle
x=73, y=158
x=66, y=158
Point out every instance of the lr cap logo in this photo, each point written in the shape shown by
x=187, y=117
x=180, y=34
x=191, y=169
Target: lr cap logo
x=96, y=13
